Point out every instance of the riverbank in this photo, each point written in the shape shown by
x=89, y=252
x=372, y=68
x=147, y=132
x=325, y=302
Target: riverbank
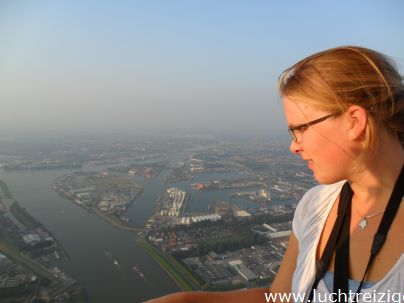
x=177, y=272
x=117, y=223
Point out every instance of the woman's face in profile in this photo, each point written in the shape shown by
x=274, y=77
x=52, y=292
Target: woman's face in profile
x=322, y=145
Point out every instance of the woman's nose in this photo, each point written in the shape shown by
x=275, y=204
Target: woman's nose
x=295, y=147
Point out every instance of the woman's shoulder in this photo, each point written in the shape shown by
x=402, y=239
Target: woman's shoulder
x=320, y=194
x=315, y=204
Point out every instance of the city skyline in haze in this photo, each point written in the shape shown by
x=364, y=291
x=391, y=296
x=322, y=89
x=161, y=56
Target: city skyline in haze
x=190, y=66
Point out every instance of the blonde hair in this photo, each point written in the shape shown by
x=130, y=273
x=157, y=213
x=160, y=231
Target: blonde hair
x=334, y=79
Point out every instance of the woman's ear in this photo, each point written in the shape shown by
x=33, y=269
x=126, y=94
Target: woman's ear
x=357, y=121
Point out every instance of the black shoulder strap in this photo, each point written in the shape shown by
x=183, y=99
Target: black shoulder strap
x=324, y=262
x=341, y=264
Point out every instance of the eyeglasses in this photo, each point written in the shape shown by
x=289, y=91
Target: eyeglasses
x=297, y=131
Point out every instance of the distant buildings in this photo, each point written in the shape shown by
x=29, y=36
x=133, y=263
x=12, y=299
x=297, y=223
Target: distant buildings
x=111, y=195
x=194, y=219
x=178, y=199
x=243, y=270
x=264, y=194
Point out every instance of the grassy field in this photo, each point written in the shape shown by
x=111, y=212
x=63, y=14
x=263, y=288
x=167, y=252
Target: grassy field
x=181, y=276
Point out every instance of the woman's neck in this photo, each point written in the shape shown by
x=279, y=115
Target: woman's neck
x=373, y=182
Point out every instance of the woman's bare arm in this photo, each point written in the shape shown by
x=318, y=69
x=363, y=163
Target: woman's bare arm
x=283, y=279
x=281, y=284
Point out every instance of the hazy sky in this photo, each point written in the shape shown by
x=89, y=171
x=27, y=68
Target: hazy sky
x=170, y=65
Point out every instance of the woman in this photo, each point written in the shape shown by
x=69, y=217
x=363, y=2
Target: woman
x=345, y=111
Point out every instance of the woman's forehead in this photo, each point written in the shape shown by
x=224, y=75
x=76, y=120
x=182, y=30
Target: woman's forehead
x=299, y=107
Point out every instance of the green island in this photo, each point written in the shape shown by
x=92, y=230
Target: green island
x=6, y=192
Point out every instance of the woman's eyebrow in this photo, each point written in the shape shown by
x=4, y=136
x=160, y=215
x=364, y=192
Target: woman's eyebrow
x=294, y=125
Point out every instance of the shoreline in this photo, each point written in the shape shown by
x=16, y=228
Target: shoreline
x=115, y=222
x=180, y=275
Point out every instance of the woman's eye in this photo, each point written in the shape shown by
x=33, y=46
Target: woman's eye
x=302, y=128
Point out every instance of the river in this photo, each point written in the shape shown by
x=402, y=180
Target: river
x=90, y=241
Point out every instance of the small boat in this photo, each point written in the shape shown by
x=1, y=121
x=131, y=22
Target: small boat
x=135, y=269
x=116, y=263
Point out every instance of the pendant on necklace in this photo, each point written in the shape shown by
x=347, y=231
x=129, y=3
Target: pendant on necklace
x=363, y=223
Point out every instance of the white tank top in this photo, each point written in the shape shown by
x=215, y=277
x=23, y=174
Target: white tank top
x=308, y=223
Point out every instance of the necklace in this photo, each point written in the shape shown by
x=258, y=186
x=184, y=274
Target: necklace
x=363, y=222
